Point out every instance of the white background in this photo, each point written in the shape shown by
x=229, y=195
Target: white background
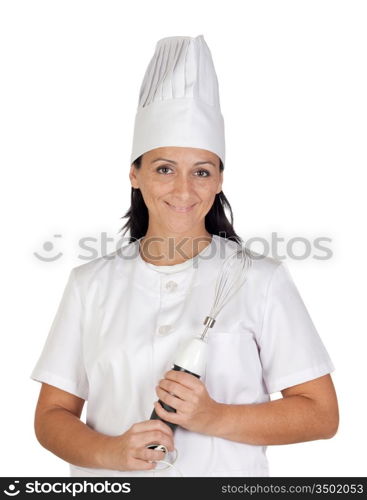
x=292, y=77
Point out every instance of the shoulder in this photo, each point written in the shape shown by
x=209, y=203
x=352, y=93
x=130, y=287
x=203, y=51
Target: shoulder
x=263, y=266
x=105, y=267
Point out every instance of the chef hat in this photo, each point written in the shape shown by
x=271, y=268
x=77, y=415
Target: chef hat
x=179, y=99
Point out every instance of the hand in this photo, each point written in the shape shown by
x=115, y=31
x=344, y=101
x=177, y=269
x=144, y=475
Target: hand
x=195, y=409
x=128, y=451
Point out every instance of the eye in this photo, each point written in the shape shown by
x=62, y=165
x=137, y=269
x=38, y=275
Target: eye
x=159, y=168
x=207, y=173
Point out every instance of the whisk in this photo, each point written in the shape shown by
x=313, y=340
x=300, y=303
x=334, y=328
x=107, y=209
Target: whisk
x=231, y=278
x=192, y=356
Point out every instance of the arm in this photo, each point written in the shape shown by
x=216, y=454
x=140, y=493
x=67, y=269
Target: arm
x=59, y=429
x=307, y=412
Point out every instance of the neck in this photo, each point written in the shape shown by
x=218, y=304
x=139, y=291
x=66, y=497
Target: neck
x=171, y=250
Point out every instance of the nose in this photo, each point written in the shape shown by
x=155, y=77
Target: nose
x=183, y=187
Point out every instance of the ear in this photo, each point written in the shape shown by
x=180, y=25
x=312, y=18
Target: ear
x=220, y=183
x=133, y=178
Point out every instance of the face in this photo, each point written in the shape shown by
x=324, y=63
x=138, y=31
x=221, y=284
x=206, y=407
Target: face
x=178, y=186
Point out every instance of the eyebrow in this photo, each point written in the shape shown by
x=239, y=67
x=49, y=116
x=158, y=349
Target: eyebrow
x=175, y=162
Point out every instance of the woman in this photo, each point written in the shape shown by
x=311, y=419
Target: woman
x=122, y=318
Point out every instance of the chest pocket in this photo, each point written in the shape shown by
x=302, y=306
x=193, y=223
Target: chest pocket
x=233, y=370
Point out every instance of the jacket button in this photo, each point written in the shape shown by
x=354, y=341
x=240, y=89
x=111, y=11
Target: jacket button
x=164, y=329
x=171, y=285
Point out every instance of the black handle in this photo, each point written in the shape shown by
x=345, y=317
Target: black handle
x=154, y=416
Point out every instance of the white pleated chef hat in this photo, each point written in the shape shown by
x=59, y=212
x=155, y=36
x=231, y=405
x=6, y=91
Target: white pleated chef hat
x=179, y=99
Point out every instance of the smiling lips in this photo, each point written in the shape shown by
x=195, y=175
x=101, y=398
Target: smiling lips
x=181, y=209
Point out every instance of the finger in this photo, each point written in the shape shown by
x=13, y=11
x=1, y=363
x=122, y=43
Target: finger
x=175, y=389
x=186, y=379
x=154, y=437
x=145, y=453
x=169, y=416
x=170, y=400
x=152, y=425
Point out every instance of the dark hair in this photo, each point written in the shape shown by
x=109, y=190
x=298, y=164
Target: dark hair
x=216, y=221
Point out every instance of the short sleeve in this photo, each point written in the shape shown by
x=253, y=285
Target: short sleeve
x=61, y=362
x=290, y=348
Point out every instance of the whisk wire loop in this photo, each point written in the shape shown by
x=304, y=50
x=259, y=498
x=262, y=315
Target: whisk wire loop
x=230, y=279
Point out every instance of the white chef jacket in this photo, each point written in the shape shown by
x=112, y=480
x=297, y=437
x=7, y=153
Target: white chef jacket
x=121, y=321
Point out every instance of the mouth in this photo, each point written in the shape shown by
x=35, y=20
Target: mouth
x=182, y=209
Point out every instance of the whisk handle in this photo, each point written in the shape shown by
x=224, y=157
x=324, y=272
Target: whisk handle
x=154, y=415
